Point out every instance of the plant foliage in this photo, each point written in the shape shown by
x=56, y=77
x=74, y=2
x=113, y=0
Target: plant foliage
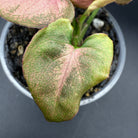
x=58, y=73
x=36, y=13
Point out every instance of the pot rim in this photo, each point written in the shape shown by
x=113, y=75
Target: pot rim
x=99, y=94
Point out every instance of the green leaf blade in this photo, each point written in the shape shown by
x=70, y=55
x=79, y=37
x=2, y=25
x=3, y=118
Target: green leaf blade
x=99, y=48
x=58, y=74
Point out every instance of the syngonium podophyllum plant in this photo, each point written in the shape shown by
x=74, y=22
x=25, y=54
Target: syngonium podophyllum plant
x=58, y=65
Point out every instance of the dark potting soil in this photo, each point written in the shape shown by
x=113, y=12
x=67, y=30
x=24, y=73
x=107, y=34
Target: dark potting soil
x=18, y=38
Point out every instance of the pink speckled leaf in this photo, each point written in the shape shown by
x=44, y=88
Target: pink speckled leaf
x=36, y=13
x=97, y=3
x=58, y=74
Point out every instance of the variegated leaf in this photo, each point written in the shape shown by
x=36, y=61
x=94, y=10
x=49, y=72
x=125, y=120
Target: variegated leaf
x=36, y=13
x=58, y=73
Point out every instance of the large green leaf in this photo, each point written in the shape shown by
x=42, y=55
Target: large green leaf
x=36, y=13
x=58, y=74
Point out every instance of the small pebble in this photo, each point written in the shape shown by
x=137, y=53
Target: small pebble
x=96, y=89
x=87, y=94
x=91, y=89
x=20, y=50
x=97, y=23
x=13, y=52
x=14, y=45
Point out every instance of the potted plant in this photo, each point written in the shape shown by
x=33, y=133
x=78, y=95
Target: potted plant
x=59, y=66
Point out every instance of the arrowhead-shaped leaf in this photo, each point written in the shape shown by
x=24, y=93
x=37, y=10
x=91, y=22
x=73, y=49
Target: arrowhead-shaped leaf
x=36, y=13
x=58, y=74
x=96, y=3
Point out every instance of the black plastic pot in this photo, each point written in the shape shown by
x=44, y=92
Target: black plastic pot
x=96, y=96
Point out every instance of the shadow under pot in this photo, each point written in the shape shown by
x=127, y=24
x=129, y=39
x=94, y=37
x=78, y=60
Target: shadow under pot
x=14, y=40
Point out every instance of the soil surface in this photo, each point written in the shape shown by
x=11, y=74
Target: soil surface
x=18, y=38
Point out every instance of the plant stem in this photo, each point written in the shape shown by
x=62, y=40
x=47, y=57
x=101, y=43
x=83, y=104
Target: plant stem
x=87, y=24
x=81, y=28
x=77, y=30
x=81, y=21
